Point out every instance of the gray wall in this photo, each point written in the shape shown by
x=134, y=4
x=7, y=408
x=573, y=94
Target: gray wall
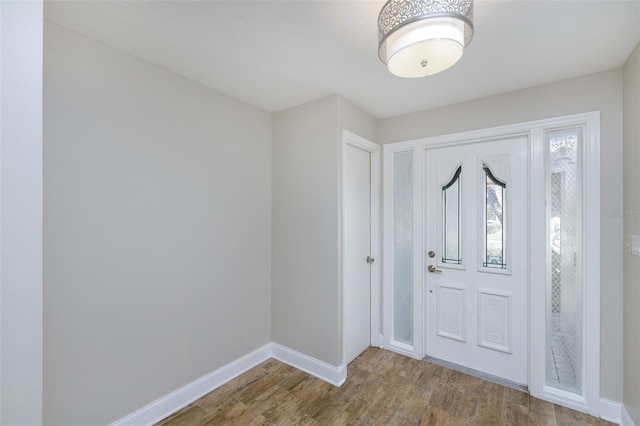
x=599, y=92
x=305, y=314
x=353, y=118
x=157, y=231
x=161, y=197
x=306, y=286
x=632, y=227
x=21, y=213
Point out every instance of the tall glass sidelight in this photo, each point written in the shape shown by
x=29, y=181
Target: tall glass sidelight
x=403, y=247
x=564, y=260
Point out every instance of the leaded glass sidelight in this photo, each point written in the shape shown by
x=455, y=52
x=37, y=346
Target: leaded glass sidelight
x=564, y=282
x=451, y=229
x=494, y=220
x=403, y=247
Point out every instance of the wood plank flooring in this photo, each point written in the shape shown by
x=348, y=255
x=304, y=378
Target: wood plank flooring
x=382, y=388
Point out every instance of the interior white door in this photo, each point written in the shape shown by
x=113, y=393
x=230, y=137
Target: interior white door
x=357, y=242
x=477, y=248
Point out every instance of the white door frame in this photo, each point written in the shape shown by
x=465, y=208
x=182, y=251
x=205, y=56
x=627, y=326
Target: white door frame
x=350, y=138
x=534, y=130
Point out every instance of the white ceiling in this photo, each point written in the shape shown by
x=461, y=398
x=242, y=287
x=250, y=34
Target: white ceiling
x=278, y=54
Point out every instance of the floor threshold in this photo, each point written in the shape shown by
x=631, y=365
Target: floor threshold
x=479, y=374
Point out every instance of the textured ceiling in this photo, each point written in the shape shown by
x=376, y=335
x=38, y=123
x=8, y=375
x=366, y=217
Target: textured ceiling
x=278, y=54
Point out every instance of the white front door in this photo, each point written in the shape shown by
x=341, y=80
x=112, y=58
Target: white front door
x=357, y=246
x=476, y=256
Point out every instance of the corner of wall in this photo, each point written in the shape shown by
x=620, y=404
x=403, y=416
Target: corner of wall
x=21, y=212
x=625, y=418
x=180, y=398
x=305, y=288
x=355, y=119
x=631, y=335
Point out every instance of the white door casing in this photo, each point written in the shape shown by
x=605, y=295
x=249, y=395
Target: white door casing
x=360, y=244
x=476, y=312
x=589, y=398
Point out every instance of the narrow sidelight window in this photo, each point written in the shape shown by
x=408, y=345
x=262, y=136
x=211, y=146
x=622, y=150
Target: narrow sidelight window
x=403, y=247
x=564, y=259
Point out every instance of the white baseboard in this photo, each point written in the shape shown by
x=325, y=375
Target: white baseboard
x=171, y=403
x=610, y=410
x=625, y=418
x=327, y=372
x=615, y=412
x=154, y=412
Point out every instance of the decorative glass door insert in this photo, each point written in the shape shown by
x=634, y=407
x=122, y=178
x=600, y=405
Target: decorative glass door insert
x=564, y=281
x=494, y=220
x=452, y=224
x=403, y=247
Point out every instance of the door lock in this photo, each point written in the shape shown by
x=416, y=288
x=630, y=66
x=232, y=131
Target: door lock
x=431, y=254
x=433, y=269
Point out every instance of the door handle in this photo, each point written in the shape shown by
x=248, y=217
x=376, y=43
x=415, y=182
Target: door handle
x=433, y=269
x=370, y=259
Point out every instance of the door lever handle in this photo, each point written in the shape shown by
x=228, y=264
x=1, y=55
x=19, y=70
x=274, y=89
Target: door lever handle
x=433, y=269
x=370, y=259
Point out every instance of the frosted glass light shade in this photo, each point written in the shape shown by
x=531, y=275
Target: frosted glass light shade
x=417, y=38
x=425, y=47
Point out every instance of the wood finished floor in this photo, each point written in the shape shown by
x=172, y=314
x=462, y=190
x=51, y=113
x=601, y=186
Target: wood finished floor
x=382, y=388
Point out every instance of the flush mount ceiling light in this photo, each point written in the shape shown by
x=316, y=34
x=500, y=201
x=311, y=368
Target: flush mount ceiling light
x=423, y=37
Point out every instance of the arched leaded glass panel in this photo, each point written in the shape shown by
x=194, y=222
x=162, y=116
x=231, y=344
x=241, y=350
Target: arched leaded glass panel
x=494, y=220
x=451, y=229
